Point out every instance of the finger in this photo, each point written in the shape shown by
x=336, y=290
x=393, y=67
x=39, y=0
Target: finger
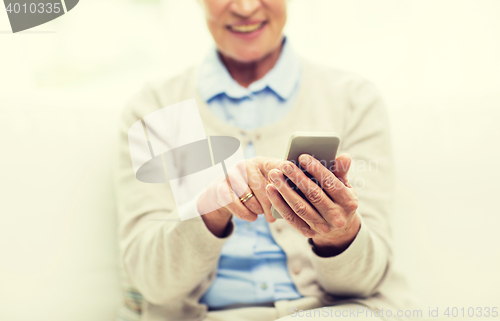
x=300, y=206
x=287, y=213
x=330, y=211
x=258, y=184
x=238, y=179
x=252, y=203
x=332, y=186
x=267, y=164
x=341, y=168
x=228, y=199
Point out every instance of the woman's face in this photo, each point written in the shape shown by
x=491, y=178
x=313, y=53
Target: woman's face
x=246, y=30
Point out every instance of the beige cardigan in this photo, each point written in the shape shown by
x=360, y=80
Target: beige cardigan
x=172, y=263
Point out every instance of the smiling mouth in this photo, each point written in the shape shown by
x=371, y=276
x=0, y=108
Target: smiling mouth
x=247, y=28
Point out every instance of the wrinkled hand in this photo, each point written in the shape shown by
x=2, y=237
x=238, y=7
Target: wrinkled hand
x=222, y=200
x=331, y=221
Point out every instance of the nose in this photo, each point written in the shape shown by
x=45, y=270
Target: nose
x=245, y=8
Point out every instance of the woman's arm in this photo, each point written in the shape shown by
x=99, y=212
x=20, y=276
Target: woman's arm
x=362, y=267
x=170, y=262
x=347, y=222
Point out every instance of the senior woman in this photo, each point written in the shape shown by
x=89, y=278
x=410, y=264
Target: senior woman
x=326, y=259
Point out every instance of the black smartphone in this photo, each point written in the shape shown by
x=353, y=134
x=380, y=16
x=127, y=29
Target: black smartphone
x=322, y=145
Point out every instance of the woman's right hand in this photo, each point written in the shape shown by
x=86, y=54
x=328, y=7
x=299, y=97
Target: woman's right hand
x=222, y=200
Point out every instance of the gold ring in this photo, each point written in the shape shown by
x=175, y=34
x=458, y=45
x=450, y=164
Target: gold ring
x=246, y=197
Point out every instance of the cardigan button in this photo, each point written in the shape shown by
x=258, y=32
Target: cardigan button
x=297, y=269
x=257, y=136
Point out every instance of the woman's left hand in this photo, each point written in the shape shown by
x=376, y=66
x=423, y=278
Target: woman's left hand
x=332, y=222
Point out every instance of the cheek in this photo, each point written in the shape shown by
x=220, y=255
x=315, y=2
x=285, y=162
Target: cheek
x=215, y=14
x=215, y=9
x=276, y=8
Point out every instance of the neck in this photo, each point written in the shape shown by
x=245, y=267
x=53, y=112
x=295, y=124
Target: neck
x=245, y=73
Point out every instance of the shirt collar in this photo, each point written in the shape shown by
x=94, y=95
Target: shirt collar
x=281, y=79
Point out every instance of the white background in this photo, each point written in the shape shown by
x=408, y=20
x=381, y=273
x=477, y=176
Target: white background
x=63, y=84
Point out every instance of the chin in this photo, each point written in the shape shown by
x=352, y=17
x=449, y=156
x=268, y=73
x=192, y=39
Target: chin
x=248, y=58
x=247, y=55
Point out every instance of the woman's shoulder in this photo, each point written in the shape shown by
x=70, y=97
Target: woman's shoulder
x=335, y=82
x=332, y=77
x=158, y=92
x=173, y=85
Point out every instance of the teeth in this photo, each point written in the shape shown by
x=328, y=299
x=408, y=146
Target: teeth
x=246, y=28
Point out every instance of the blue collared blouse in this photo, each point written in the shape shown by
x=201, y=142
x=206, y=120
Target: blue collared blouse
x=252, y=267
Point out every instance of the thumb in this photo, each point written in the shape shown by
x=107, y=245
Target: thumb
x=341, y=168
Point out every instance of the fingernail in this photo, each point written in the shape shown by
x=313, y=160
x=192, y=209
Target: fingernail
x=269, y=189
x=305, y=160
x=273, y=176
x=286, y=168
